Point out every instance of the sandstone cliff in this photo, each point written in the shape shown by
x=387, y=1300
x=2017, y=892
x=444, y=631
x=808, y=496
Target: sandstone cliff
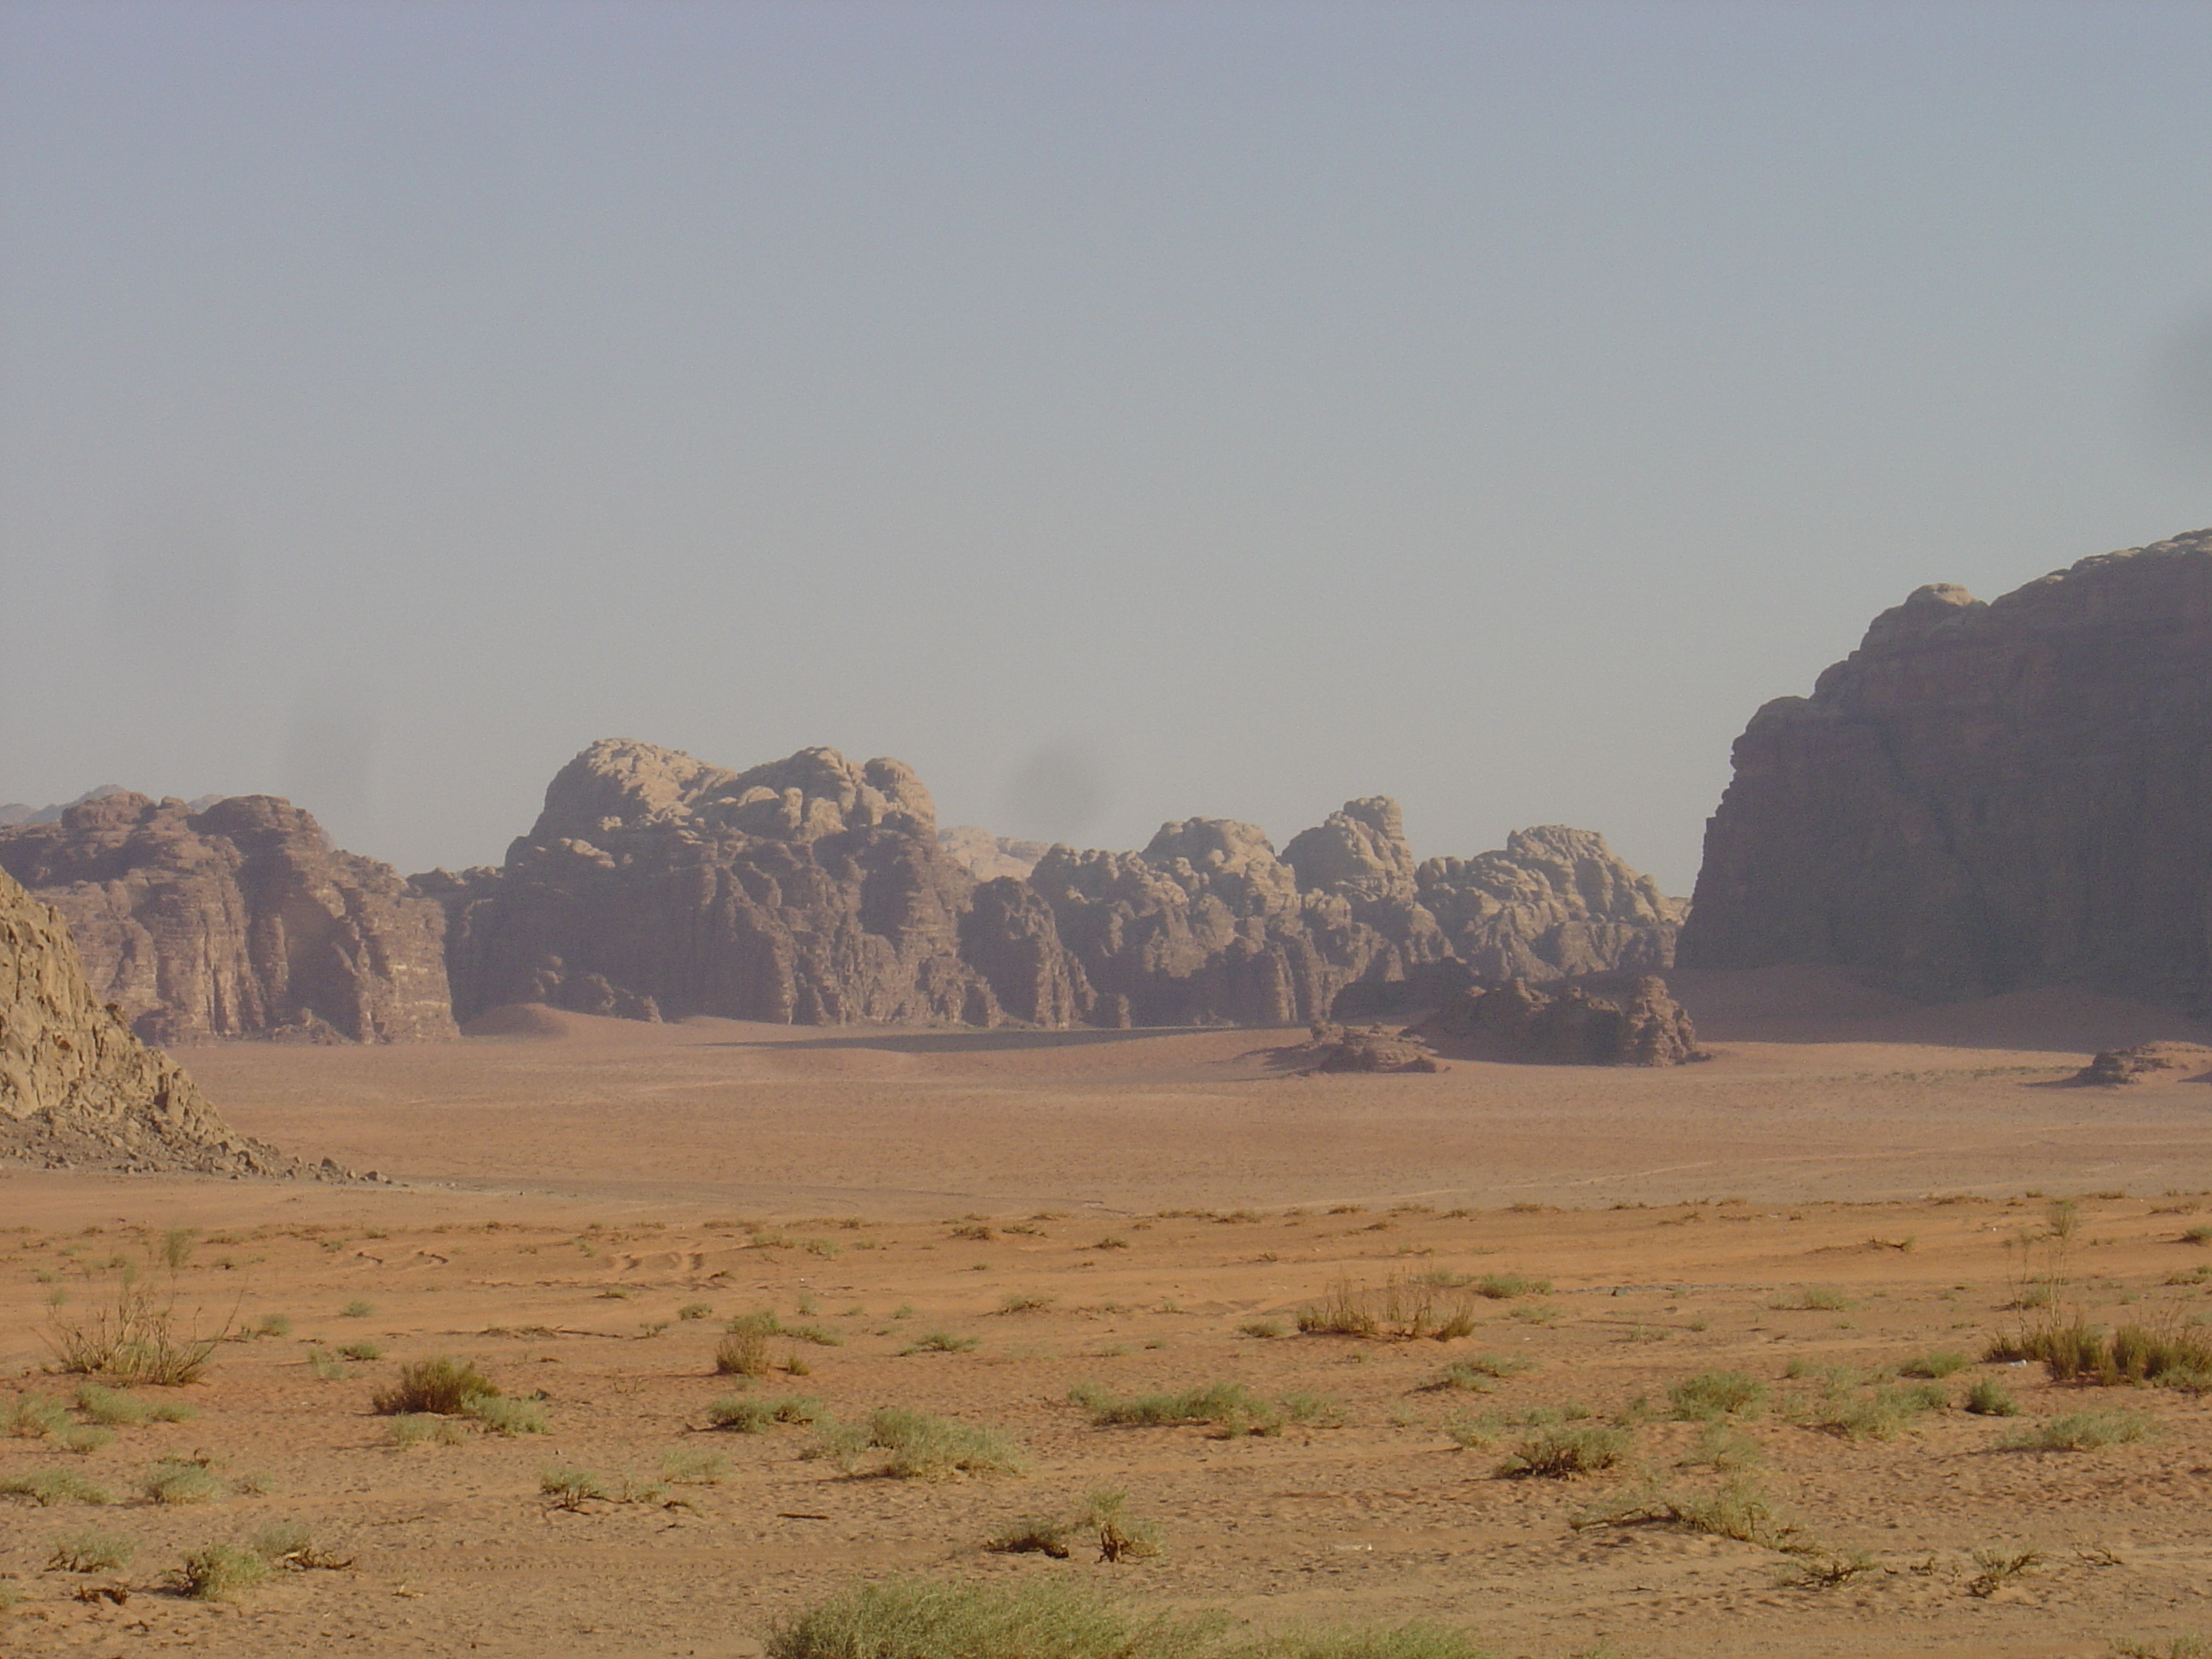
x=75, y=1085
x=237, y=918
x=815, y=891
x=1985, y=798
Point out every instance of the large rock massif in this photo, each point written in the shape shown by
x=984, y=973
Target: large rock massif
x=236, y=918
x=75, y=1085
x=816, y=890
x=1987, y=797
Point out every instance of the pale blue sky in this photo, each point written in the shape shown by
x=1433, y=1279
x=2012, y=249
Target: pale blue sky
x=1119, y=411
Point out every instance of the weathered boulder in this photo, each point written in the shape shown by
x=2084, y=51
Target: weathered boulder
x=76, y=1087
x=1987, y=798
x=1637, y=1024
x=236, y=919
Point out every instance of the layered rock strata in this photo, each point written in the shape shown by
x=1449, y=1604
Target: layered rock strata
x=236, y=919
x=1987, y=797
x=76, y=1087
x=815, y=890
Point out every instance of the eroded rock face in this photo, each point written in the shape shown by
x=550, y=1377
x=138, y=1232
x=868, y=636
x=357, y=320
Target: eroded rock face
x=2147, y=1063
x=1986, y=798
x=1366, y=1049
x=76, y=1087
x=1640, y=1024
x=236, y=919
x=815, y=891
x=810, y=890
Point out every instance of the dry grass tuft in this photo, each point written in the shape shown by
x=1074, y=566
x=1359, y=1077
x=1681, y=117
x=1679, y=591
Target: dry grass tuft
x=444, y=1386
x=1398, y=1309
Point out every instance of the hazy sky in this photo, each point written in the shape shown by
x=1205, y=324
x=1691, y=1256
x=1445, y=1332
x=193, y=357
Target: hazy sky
x=1120, y=411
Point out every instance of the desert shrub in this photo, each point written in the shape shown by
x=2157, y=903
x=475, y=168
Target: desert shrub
x=218, y=1573
x=743, y=1351
x=1879, y=1414
x=751, y=1414
x=696, y=1310
x=508, y=1418
x=131, y=1332
x=1019, y=1302
x=1556, y=1452
x=570, y=1488
x=47, y=1487
x=35, y=1416
x=1937, y=1364
x=941, y=1342
x=177, y=1481
x=360, y=1351
x=1230, y=1407
x=415, y=1428
x=274, y=1324
x=443, y=1385
x=1266, y=1330
x=1737, y=1509
x=1990, y=1398
x=84, y=1438
x=357, y=1310
x=1122, y=1536
x=1398, y=1309
x=1504, y=1287
x=1813, y=1298
x=917, y=1619
x=326, y=1367
x=91, y=1551
x=1827, y=1569
x=2000, y=1566
x=1716, y=1393
x=1725, y=1448
x=2092, y=1430
x=683, y=1467
x=915, y=1445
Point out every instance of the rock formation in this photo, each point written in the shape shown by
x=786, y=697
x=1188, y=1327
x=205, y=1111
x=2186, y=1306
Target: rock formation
x=1365, y=1049
x=2148, y=1063
x=75, y=1085
x=1985, y=798
x=236, y=919
x=815, y=891
x=1582, y=1025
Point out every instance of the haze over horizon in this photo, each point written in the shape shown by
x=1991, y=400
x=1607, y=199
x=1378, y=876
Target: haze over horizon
x=1120, y=412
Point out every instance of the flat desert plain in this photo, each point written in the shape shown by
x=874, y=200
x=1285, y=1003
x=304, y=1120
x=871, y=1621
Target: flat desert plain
x=1753, y=1297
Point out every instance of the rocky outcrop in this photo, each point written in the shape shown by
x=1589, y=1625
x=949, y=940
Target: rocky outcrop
x=986, y=857
x=816, y=890
x=2147, y=1063
x=810, y=891
x=1987, y=798
x=76, y=1087
x=1637, y=1024
x=236, y=919
x=1337, y=1048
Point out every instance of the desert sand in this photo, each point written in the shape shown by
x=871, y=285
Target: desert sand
x=1844, y=1184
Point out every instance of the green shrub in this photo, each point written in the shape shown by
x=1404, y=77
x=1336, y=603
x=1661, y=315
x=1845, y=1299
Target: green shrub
x=686, y=1468
x=1716, y=1393
x=916, y=1618
x=743, y=1351
x=1555, y=1453
x=751, y=1414
x=176, y=1481
x=275, y=1324
x=47, y=1487
x=2092, y=1430
x=35, y=1416
x=1990, y=1398
x=418, y=1427
x=1230, y=1407
x=360, y=1351
x=1504, y=1287
x=696, y=1310
x=1814, y=1298
x=507, y=1418
x=443, y=1385
x=915, y=1446
x=91, y=1551
x=355, y=1310
x=1942, y=1364
x=1737, y=1509
x=941, y=1342
x=1725, y=1448
x=326, y=1367
x=219, y=1573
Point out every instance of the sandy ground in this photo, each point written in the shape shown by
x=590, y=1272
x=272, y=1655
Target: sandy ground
x=1843, y=1185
